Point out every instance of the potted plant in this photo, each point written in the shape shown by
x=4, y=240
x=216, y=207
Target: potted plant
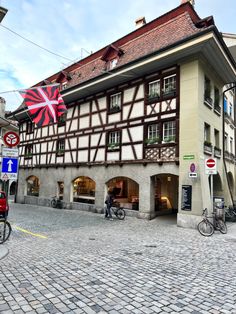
x=153, y=95
x=114, y=108
x=112, y=146
x=152, y=140
x=169, y=139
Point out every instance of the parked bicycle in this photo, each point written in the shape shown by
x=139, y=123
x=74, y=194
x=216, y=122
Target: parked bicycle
x=230, y=213
x=57, y=203
x=5, y=229
x=207, y=228
x=118, y=211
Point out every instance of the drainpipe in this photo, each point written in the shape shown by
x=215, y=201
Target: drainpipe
x=223, y=128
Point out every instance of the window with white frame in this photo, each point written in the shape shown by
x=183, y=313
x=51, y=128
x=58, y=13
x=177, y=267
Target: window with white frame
x=115, y=101
x=154, y=89
x=114, y=140
x=169, y=131
x=28, y=151
x=153, y=134
x=60, y=146
x=169, y=84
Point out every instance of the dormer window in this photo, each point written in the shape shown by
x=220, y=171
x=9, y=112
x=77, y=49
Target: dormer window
x=63, y=85
x=113, y=63
x=111, y=56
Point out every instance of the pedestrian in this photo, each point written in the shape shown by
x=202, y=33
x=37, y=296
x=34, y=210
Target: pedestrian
x=109, y=201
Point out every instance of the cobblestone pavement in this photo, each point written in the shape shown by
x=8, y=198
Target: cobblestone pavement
x=91, y=265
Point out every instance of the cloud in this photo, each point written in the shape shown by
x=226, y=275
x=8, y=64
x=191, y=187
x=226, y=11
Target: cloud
x=74, y=28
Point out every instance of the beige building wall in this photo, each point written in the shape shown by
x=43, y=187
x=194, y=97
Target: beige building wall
x=193, y=115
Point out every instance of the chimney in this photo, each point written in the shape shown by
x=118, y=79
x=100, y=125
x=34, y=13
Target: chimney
x=140, y=22
x=190, y=1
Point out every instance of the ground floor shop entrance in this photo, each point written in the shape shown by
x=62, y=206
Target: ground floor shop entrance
x=165, y=188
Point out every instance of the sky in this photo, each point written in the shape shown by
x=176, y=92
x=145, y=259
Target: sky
x=74, y=29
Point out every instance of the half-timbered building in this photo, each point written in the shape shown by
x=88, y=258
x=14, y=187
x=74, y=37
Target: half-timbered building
x=139, y=111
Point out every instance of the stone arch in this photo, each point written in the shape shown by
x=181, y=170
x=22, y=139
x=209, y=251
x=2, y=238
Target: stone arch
x=84, y=190
x=32, y=186
x=126, y=191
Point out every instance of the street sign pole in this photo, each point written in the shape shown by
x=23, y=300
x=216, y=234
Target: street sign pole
x=212, y=192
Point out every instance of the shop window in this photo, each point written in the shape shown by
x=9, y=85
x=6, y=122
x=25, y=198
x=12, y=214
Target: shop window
x=33, y=186
x=84, y=190
x=126, y=192
x=169, y=131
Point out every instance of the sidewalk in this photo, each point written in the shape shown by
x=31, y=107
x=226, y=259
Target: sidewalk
x=3, y=251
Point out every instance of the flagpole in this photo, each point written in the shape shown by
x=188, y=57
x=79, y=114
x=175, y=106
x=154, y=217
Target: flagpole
x=16, y=90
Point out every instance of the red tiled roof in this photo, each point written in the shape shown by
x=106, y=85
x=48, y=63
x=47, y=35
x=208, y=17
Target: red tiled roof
x=170, y=28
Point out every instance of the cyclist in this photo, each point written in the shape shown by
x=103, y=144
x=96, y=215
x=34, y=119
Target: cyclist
x=109, y=201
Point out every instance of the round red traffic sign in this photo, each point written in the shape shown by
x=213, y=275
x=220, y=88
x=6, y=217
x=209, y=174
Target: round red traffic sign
x=210, y=163
x=11, y=139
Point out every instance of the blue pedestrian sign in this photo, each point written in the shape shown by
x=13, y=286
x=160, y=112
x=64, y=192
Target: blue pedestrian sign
x=9, y=167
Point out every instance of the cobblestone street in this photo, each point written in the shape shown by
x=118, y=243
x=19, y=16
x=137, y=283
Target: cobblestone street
x=86, y=264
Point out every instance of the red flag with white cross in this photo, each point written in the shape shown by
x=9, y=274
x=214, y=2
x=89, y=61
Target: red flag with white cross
x=45, y=104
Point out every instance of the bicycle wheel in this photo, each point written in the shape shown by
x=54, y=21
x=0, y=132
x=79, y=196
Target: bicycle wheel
x=5, y=230
x=54, y=203
x=120, y=213
x=222, y=226
x=205, y=228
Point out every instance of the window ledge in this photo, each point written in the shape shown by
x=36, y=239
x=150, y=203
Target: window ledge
x=114, y=110
x=208, y=103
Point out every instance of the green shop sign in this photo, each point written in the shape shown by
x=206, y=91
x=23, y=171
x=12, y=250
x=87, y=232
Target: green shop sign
x=188, y=157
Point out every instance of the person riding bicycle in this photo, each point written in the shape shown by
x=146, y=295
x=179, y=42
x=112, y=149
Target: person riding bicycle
x=109, y=201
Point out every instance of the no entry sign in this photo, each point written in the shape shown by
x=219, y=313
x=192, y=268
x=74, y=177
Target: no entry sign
x=210, y=166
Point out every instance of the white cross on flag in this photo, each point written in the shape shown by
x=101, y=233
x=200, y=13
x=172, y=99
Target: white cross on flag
x=45, y=104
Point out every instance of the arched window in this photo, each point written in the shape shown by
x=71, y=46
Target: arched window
x=84, y=190
x=33, y=186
